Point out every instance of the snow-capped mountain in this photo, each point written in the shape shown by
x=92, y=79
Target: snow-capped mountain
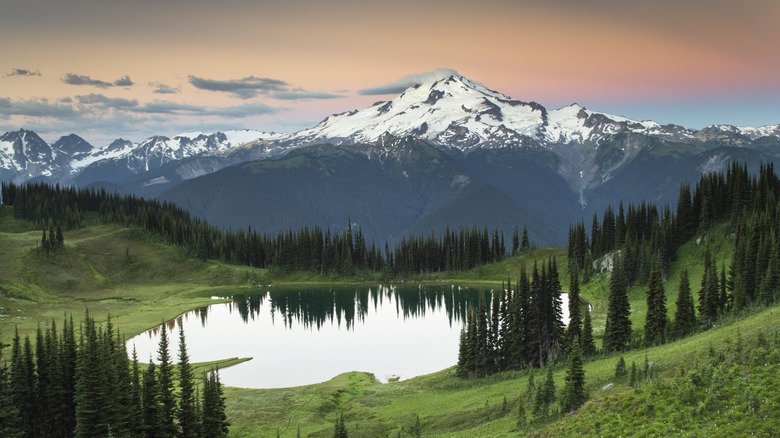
x=25, y=155
x=458, y=112
x=159, y=150
x=449, y=112
x=453, y=111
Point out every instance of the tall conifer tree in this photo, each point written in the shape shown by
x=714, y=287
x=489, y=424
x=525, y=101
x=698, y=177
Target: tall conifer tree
x=574, y=394
x=165, y=385
x=586, y=342
x=684, y=316
x=655, y=322
x=617, y=333
x=187, y=413
x=9, y=414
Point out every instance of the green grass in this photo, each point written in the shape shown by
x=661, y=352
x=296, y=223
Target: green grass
x=141, y=281
x=108, y=270
x=448, y=406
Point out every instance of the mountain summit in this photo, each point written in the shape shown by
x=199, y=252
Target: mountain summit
x=453, y=111
x=458, y=112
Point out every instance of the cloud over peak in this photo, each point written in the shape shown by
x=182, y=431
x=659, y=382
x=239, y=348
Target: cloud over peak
x=399, y=85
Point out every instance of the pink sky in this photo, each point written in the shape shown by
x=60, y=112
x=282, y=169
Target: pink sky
x=693, y=63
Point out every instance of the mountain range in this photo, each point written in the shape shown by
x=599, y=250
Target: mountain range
x=449, y=152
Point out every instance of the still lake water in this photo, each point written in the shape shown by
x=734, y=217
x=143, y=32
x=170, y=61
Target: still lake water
x=309, y=334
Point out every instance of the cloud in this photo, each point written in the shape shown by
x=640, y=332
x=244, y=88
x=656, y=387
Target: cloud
x=250, y=87
x=106, y=102
x=244, y=110
x=161, y=88
x=245, y=88
x=168, y=107
x=23, y=72
x=303, y=95
x=399, y=85
x=124, y=81
x=173, y=108
x=36, y=108
x=74, y=79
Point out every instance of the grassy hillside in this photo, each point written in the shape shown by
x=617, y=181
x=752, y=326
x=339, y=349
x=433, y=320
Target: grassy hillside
x=718, y=382
x=106, y=269
x=675, y=401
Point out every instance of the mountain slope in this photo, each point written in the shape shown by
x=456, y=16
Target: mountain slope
x=385, y=189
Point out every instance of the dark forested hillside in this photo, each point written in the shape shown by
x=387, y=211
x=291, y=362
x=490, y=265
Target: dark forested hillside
x=344, y=253
x=403, y=188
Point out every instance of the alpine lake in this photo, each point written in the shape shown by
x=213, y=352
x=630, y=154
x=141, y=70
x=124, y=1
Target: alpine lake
x=301, y=335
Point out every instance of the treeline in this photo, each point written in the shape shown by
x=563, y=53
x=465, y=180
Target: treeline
x=67, y=386
x=750, y=208
x=644, y=231
x=307, y=249
x=520, y=326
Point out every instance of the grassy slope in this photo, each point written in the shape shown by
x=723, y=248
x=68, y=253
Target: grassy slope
x=107, y=270
x=450, y=407
x=158, y=282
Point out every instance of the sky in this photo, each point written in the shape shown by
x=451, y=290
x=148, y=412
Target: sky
x=106, y=70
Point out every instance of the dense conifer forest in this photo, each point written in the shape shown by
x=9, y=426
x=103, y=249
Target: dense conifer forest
x=79, y=382
x=309, y=249
x=521, y=328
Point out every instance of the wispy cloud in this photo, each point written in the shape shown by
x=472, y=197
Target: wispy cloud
x=168, y=107
x=399, y=85
x=124, y=81
x=251, y=87
x=22, y=72
x=106, y=102
x=36, y=108
x=74, y=79
x=245, y=88
x=161, y=88
x=303, y=95
x=244, y=110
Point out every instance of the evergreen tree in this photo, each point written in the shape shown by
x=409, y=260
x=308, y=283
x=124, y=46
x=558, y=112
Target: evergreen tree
x=45, y=244
x=684, y=316
x=165, y=385
x=655, y=322
x=482, y=338
x=620, y=368
x=574, y=330
x=187, y=413
x=526, y=244
x=91, y=396
x=617, y=332
x=574, y=394
x=587, y=343
x=136, y=406
x=709, y=295
x=9, y=414
x=340, y=429
x=545, y=396
x=463, y=370
x=152, y=426
x=68, y=365
x=214, y=422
